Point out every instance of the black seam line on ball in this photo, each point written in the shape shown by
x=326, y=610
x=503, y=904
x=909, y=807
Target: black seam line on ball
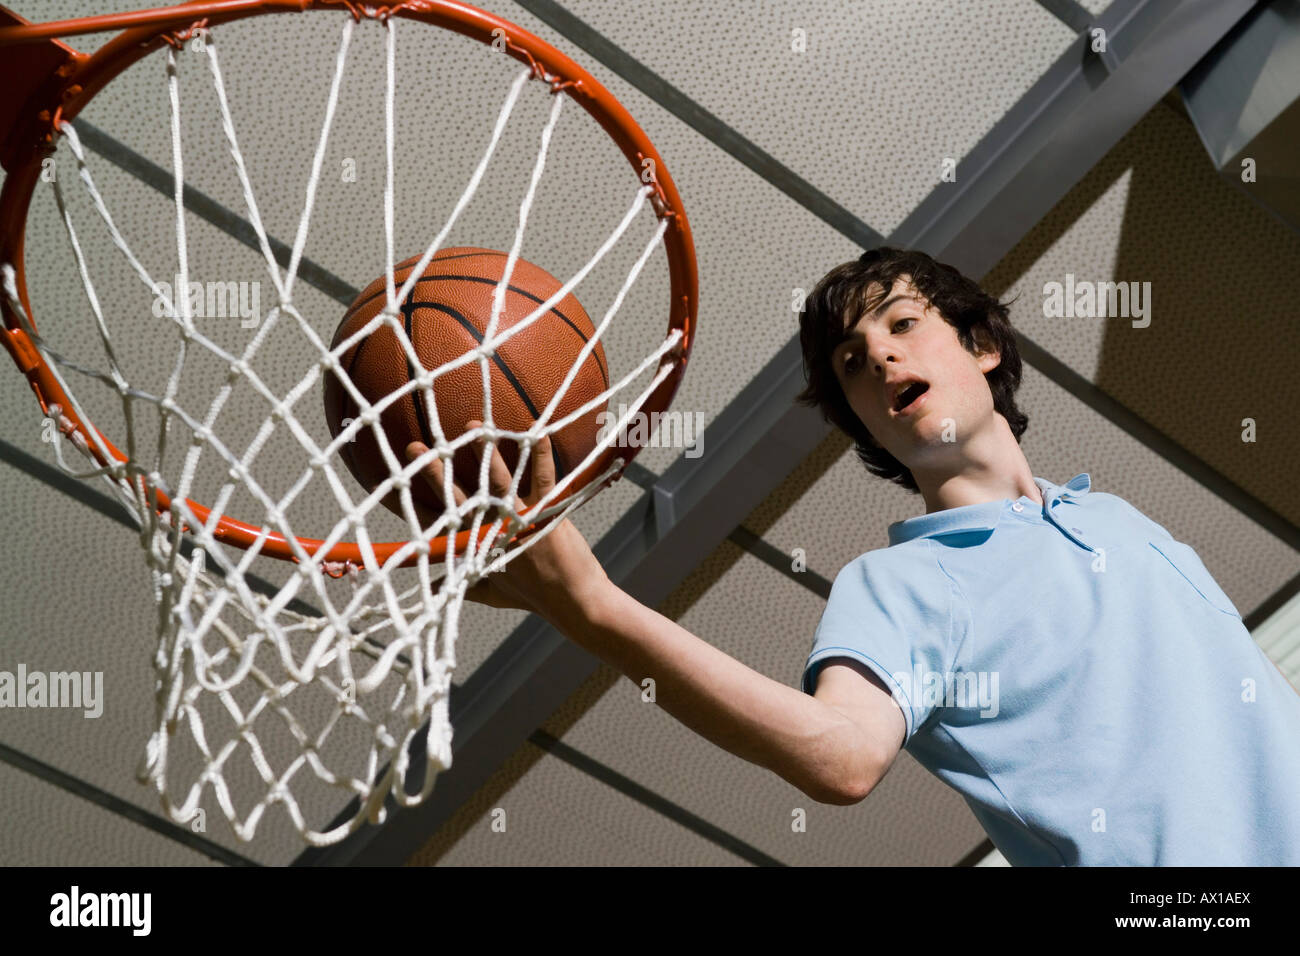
x=408, y=310
x=466, y=255
x=604, y=373
x=528, y=295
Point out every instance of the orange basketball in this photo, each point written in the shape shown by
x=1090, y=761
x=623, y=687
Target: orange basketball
x=445, y=316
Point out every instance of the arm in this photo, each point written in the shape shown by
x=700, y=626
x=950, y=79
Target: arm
x=834, y=747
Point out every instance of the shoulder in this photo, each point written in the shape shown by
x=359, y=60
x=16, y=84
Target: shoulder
x=1122, y=510
x=1105, y=500
x=906, y=575
x=896, y=561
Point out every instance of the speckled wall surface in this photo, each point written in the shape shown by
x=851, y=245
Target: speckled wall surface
x=882, y=93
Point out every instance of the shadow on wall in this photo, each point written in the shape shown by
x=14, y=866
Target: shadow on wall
x=1221, y=335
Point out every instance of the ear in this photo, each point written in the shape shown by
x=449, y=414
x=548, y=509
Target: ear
x=989, y=361
x=987, y=354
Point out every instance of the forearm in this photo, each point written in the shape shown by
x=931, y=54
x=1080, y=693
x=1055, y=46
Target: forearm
x=801, y=739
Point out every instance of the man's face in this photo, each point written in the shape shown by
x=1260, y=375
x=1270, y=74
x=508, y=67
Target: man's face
x=905, y=343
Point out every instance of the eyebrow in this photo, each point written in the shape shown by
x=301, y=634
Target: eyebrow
x=879, y=311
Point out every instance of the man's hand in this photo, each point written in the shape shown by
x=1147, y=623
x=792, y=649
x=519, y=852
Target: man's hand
x=552, y=577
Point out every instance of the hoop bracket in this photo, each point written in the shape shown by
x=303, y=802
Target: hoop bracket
x=23, y=351
x=32, y=74
x=29, y=363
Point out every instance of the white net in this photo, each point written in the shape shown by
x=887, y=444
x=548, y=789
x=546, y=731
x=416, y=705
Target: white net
x=328, y=677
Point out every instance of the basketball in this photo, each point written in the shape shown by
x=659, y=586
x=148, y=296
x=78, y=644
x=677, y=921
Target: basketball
x=446, y=315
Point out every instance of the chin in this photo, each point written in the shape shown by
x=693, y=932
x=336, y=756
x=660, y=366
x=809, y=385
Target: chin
x=928, y=445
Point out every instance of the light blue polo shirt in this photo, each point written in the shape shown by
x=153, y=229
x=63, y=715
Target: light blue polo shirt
x=1079, y=677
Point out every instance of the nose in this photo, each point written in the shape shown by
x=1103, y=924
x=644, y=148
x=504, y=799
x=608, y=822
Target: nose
x=880, y=355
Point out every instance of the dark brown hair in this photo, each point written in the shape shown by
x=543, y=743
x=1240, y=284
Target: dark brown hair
x=976, y=315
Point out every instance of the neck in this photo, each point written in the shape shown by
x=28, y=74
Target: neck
x=991, y=467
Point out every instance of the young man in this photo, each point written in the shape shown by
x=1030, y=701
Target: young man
x=1047, y=650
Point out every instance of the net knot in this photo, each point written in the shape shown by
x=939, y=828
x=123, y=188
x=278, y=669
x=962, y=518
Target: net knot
x=168, y=520
x=337, y=569
x=360, y=10
x=179, y=38
x=69, y=429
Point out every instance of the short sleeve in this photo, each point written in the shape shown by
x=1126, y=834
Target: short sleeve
x=892, y=611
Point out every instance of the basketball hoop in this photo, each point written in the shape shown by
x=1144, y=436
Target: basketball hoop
x=381, y=660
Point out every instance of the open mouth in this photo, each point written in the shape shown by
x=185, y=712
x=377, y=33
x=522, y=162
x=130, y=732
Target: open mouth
x=909, y=396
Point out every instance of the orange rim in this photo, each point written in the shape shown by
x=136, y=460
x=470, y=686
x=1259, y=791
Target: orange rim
x=51, y=83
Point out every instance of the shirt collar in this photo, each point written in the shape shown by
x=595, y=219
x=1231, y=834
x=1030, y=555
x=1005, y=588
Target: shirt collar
x=985, y=515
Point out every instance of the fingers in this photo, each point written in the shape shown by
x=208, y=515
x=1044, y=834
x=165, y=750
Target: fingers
x=499, y=477
x=432, y=472
x=498, y=474
x=543, y=469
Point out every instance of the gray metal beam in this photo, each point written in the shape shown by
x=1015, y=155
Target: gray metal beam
x=1073, y=14
x=1075, y=113
x=1244, y=100
x=1066, y=122
x=711, y=127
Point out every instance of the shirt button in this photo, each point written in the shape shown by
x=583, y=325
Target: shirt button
x=1017, y=506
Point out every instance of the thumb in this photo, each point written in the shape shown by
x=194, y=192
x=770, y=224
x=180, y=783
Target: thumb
x=484, y=593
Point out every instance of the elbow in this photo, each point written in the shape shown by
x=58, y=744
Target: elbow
x=845, y=768
x=845, y=788
x=850, y=777
x=845, y=793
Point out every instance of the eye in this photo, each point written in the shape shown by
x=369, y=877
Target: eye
x=900, y=321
